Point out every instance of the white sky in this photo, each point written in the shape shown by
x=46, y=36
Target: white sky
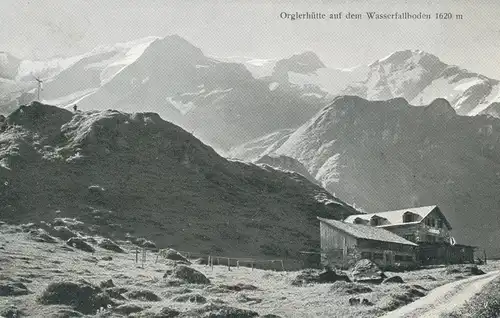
x=45, y=28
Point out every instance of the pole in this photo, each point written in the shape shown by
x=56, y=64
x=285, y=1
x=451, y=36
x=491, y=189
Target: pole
x=136, y=255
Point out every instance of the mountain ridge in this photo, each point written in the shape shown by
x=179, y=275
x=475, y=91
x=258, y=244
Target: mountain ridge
x=388, y=155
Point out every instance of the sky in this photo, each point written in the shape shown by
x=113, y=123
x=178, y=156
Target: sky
x=40, y=29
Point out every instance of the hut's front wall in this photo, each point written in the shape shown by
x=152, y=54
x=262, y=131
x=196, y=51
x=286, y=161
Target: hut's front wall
x=342, y=250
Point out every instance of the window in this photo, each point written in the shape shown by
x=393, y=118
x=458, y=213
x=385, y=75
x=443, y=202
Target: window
x=407, y=217
x=399, y=258
x=367, y=255
x=358, y=221
x=410, y=237
x=440, y=224
x=378, y=256
x=408, y=258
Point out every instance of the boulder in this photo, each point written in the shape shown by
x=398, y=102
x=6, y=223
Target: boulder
x=80, y=295
x=107, y=284
x=167, y=312
x=314, y=276
x=79, y=243
x=219, y=311
x=63, y=232
x=238, y=287
x=464, y=270
x=173, y=255
x=10, y=311
x=393, y=279
x=189, y=275
x=127, y=309
x=144, y=295
x=242, y=298
x=348, y=288
x=40, y=235
x=366, y=271
x=192, y=298
x=116, y=292
x=13, y=289
x=110, y=245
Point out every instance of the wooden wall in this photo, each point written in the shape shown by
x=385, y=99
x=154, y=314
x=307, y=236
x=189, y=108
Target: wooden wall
x=342, y=250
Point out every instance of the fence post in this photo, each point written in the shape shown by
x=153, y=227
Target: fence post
x=282, y=266
x=237, y=264
x=136, y=255
x=208, y=261
x=228, y=264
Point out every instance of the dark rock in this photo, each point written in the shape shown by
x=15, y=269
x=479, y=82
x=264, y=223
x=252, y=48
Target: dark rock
x=80, y=295
x=144, y=295
x=107, y=284
x=40, y=235
x=428, y=277
x=107, y=258
x=314, y=276
x=80, y=244
x=189, y=275
x=69, y=222
x=116, y=292
x=13, y=289
x=354, y=301
x=110, y=245
x=367, y=271
x=393, y=279
x=11, y=312
x=366, y=302
x=192, y=298
x=127, y=309
x=63, y=232
x=66, y=248
x=242, y=298
x=219, y=311
x=28, y=227
x=149, y=245
x=238, y=287
x=350, y=288
x=167, y=312
x=270, y=316
x=464, y=270
x=173, y=255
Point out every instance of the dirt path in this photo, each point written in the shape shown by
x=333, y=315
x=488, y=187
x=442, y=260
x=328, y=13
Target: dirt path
x=445, y=298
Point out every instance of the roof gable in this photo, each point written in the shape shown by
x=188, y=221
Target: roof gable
x=396, y=217
x=366, y=232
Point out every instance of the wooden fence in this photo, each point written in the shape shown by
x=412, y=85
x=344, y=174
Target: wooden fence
x=211, y=260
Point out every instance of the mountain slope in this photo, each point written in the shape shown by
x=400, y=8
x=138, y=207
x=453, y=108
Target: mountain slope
x=137, y=173
x=384, y=155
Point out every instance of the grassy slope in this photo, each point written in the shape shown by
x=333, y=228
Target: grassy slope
x=38, y=264
x=139, y=174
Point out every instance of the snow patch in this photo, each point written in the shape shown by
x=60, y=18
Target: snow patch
x=273, y=86
x=183, y=108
